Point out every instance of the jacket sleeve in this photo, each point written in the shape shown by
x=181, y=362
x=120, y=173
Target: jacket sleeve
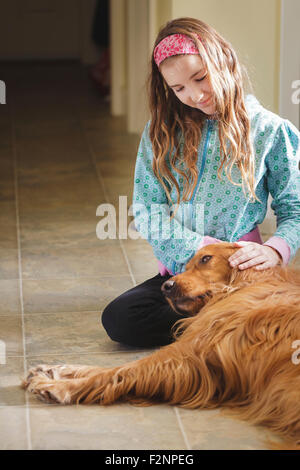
x=173, y=243
x=284, y=185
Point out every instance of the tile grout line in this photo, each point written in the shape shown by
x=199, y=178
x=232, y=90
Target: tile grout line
x=99, y=176
x=89, y=353
x=181, y=427
x=14, y=152
x=59, y=312
x=128, y=263
x=57, y=278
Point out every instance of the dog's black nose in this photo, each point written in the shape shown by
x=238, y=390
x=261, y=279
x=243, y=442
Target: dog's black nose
x=168, y=286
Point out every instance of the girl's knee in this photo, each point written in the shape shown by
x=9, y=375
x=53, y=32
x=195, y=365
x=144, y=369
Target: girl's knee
x=118, y=322
x=111, y=323
x=126, y=326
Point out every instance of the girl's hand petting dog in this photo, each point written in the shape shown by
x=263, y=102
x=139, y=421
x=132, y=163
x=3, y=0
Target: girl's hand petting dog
x=254, y=254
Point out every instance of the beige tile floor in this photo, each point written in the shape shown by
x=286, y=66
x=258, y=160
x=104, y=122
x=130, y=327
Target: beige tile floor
x=61, y=156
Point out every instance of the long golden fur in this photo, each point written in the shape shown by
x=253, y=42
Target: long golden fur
x=235, y=350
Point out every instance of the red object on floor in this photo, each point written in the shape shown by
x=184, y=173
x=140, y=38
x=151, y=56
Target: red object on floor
x=100, y=73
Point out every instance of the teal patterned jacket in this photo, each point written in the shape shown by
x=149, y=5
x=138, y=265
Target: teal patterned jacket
x=219, y=208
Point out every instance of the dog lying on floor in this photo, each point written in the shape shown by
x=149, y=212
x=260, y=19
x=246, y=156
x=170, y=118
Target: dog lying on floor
x=235, y=350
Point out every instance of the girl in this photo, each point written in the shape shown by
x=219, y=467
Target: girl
x=207, y=160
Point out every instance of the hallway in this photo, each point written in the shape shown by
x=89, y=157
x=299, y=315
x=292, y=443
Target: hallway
x=61, y=156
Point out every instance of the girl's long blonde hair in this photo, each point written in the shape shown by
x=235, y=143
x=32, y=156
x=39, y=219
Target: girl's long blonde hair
x=172, y=121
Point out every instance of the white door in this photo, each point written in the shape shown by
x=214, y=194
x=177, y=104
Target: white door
x=133, y=29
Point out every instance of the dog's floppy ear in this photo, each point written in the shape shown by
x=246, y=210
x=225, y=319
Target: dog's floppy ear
x=232, y=248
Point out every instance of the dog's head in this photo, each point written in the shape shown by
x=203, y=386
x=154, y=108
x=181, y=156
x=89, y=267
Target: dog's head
x=205, y=273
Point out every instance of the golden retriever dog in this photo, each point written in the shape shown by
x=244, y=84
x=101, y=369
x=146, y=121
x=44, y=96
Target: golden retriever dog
x=235, y=350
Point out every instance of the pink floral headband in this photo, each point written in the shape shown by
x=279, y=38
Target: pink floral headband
x=173, y=45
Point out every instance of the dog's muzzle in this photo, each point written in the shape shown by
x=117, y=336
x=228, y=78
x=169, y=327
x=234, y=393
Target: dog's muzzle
x=172, y=290
x=168, y=288
x=180, y=302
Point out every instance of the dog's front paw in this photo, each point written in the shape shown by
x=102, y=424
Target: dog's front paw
x=41, y=370
x=48, y=391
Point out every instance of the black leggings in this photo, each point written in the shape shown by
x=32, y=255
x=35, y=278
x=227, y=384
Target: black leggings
x=141, y=316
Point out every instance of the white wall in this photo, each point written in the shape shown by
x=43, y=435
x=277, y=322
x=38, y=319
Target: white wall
x=138, y=54
x=290, y=61
x=132, y=33
x=253, y=29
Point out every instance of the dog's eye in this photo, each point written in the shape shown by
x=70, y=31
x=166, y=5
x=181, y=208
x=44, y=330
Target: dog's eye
x=205, y=259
